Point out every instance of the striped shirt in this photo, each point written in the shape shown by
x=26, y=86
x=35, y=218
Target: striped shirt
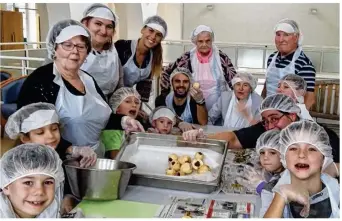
x=303, y=66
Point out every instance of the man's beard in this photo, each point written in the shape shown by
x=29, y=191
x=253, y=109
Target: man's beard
x=180, y=95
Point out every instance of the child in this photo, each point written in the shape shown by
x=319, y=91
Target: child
x=39, y=123
x=125, y=101
x=267, y=147
x=162, y=120
x=31, y=182
x=303, y=190
x=294, y=86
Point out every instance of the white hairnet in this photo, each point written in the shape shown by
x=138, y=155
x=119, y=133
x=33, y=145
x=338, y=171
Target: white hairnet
x=199, y=29
x=309, y=132
x=268, y=140
x=297, y=84
x=31, y=117
x=56, y=30
x=120, y=95
x=279, y=102
x=245, y=77
x=31, y=159
x=289, y=26
x=158, y=23
x=99, y=10
x=180, y=70
x=163, y=111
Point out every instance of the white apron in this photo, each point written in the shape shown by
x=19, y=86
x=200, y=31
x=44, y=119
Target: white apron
x=234, y=119
x=209, y=76
x=304, y=113
x=132, y=73
x=330, y=183
x=104, y=68
x=186, y=115
x=82, y=117
x=274, y=74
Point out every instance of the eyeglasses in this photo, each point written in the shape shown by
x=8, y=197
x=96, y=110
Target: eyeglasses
x=70, y=46
x=272, y=120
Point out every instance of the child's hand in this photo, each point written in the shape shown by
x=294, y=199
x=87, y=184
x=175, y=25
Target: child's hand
x=153, y=130
x=88, y=155
x=131, y=125
x=192, y=135
x=251, y=177
x=291, y=193
x=185, y=126
x=67, y=204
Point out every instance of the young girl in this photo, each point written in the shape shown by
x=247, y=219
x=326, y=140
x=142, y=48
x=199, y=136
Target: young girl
x=125, y=101
x=294, y=86
x=267, y=147
x=39, y=123
x=162, y=120
x=303, y=190
x=31, y=182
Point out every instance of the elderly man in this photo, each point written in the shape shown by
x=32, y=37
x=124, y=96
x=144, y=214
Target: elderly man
x=289, y=59
x=277, y=111
x=186, y=101
x=209, y=66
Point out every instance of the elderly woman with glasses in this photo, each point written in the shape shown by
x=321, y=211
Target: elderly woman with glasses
x=79, y=101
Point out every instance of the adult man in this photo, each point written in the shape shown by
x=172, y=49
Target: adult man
x=186, y=101
x=289, y=59
x=277, y=111
x=209, y=66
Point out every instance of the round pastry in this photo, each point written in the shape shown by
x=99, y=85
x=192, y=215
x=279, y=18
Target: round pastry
x=187, y=215
x=172, y=157
x=203, y=169
x=170, y=172
x=180, y=173
x=175, y=165
x=184, y=159
x=186, y=168
x=196, y=85
x=196, y=164
x=199, y=156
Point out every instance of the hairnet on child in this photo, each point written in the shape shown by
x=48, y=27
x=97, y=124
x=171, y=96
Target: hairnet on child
x=63, y=31
x=31, y=159
x=199, y=29
x=268, y=140
x=31, y=117
x=308, y=132
x=120, y=95
x=279, y=102
x=163, y=111
x=99, y=10
x=180, y=70
x=245, y=77
x=297, y=84
x=158, y=23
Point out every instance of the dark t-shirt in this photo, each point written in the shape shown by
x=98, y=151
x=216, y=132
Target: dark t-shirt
x=160, y=101
x=123, y=47
x=249, y=135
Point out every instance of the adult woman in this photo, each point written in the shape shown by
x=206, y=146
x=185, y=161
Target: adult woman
x=102, y=62
x=79, y=101
x=237, y=108
x=295, y=87
x=142, y=59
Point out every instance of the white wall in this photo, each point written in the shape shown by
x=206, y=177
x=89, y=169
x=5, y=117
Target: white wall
x=172, y=14
x=253, y=23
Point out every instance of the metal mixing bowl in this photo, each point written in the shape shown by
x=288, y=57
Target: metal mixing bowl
x=107, y=180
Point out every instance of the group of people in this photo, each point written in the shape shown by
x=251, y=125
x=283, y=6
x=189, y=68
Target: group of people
x=89, y=95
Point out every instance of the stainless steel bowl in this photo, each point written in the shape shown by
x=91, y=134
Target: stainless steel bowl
x=107, y=180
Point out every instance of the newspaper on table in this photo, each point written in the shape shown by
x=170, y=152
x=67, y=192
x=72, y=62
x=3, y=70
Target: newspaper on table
x=234, y=167
x=205, y=208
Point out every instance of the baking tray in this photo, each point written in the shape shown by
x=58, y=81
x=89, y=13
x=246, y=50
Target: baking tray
x=153, y=150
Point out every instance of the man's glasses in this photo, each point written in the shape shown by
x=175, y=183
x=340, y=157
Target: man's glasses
x=70, y=46
x=271, y=120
